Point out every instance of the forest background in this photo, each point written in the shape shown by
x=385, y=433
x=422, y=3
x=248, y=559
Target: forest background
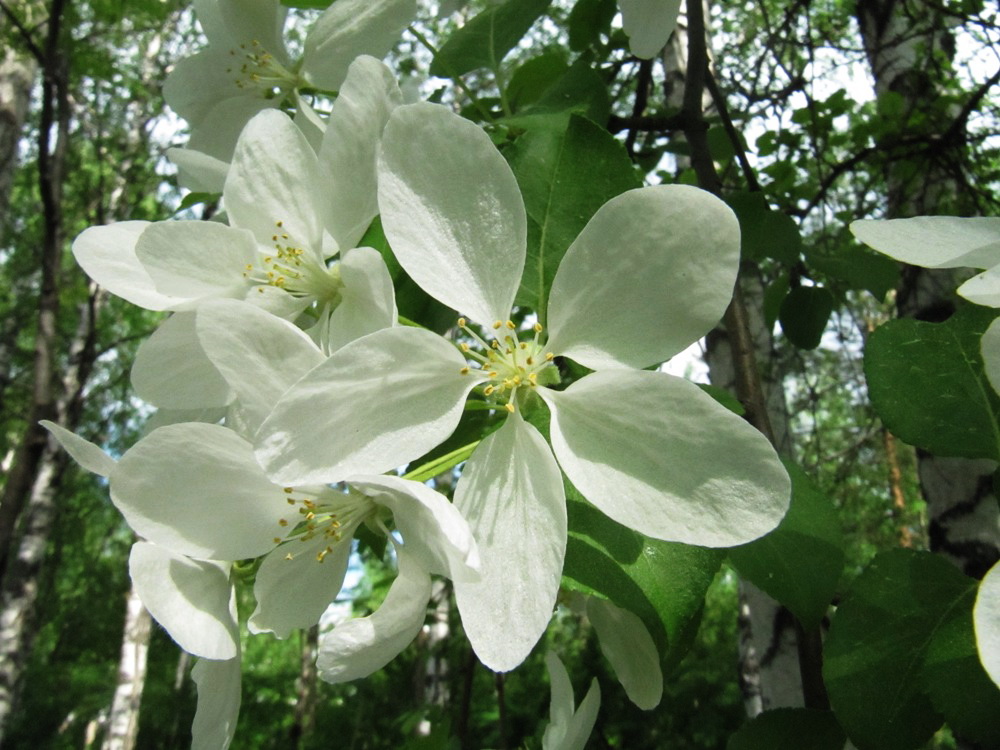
x=810, y=114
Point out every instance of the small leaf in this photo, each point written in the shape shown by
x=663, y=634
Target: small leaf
x=565, y=172
x=803, y=315
x=588, y=20
x=765, y=233
x=787, y=729
x=193, y=199
x=799, y=563
x=875, y=650
x=926, y=382
x=856, y=268
x=724, y=397
x=663, y=583
x=534, y=78
x=581, y=91
x=486, y=39
x=774, y=295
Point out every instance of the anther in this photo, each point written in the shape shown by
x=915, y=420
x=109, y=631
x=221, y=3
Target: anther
x=510, y=324
x=288, y=490
x=282, y=522
x=461, y=322
x=549, y=357
x=509, y=407
x=537, y=327
x=277, y=540
x=464, y=371
x=497, y=325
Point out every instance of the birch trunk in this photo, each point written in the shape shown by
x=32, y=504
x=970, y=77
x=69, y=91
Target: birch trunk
x=123, y=721
x=17, y=74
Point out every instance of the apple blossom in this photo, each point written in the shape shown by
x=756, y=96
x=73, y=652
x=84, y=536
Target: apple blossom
x=569, y=726
x=652, y=451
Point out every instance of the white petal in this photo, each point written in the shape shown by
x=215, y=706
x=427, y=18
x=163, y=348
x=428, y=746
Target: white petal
x=259, y=355
x=629, y=647
x=986, y=619
x=163, y=417
x=193, y=600
x=991, y=354
x=349, y=28
x=197, y=83
x=452, y=210
x=294, y=593
x=349, y=153
x=358, y=647
x=89, y=456
x=310, y=123
x=195, y=489
x=197, y=259
x=197, y=171
x=983, y=289
x=569, y=729
x=218, y=703
x=674, y=252
x=376, y=404
x=934, y=241
x=173, y=371
x=108, y=256
x=249, y=21
x=435, y=534
x=659, y=455
x=511, y=493
x=648, y=23
x=274, y=178
x=217, y=132
x=368, y=302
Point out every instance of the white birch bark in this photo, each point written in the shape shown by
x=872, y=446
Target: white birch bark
x=123, y=720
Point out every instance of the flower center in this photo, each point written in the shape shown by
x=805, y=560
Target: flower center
x=509, y=363
x=292, y=269
x=322, y=512
x=254, y=69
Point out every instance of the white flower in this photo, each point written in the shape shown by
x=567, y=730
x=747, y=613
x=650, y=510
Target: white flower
x=986, y=618
x=246, y=68
x=569, y=727
x=651, y=273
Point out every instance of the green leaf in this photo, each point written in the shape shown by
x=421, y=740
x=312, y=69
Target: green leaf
x=803, y=315
x=565, y=173
x=663, y=583
x=321, y=4
x=856, y=267
x=581, y=90
x=724, y=397
x=957, y=683
x=927, y=384
x=588, y=20
x=486, y=39
x=774, y=295
x=787, y=728
x=765, y=233
x=193, y=199
x=799, y=563
x=534, y=78
x=874, y=653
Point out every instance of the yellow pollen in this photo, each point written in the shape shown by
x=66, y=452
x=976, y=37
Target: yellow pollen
x=509, y=407
x=461, y=322
x=310, y=516
x=537, y=327
x=510, y=324
x=464, y=371
x=282, y=522
x=249, y=266
x=497, y=325
x=488, y=390
x=463, y=346
x=549, y=356
x=533, y=378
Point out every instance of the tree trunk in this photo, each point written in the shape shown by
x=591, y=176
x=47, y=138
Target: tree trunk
x=17, y=73
x=123, y=721
x=909, y=48
x=306, y=687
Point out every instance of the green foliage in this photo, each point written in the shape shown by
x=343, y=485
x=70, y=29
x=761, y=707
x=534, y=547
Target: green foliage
x=939, y=367
x=898, y=637
x=799, y=563
x=787, y=729
x=804, y=313
x=485, y=40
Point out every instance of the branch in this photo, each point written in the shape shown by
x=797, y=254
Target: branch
x=25, y=33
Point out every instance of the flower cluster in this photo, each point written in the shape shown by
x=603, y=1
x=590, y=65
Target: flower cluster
x=290, y=395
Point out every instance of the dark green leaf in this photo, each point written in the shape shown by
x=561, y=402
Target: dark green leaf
x=765, y=233
x=799, y=563
x=790, y=729
x=724, y=397
x=534, y=78
x=938, y=368
x=581, y=90
x=774, y=295
x=874, y=653
x=565, y=173
x=663, y=583
x=957, y=683
x=856, y=267
x=486, y=39
x=193, y=199
x=803, y=315
x=588, y=20
x=321, y=4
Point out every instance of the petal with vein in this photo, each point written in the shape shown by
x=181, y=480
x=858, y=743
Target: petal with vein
x=173, y=371
x=675, y=251
x=218, y=708
x=659, y=455
x=195, y=488
x=108, y=256
x=435, y=534
x=294, y=593
x=192, y=599
x=89, y=456
x=275, y=178
x=348, y=155
x=934, y=241
x=511, y=492
x=356, y=648
x=368, y=301
x=258, y=354
x=376, y=404
x=349, y=28
x=629, y=647
x=452, y=210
